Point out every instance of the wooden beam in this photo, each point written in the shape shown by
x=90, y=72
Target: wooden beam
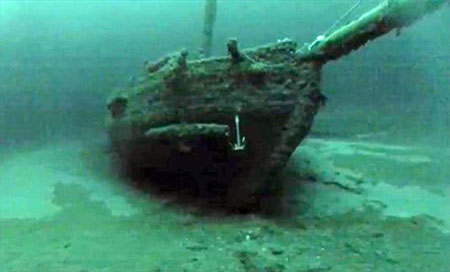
x=208, y=25
x=389, y=15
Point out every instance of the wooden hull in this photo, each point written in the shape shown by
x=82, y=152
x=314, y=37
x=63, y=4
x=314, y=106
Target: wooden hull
x=275, y=106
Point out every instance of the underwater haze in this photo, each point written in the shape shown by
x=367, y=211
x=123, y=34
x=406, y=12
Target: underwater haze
x=368, y=189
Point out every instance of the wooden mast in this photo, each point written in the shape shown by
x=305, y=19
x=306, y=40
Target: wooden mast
x=208, y=24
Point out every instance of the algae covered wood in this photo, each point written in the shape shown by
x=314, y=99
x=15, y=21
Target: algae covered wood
x=208, y=24
x=234, y=121
x=181, y=116
x=387, y=16
x=187, y=131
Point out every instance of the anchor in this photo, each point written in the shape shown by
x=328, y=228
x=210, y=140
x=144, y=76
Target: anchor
x=240, y=142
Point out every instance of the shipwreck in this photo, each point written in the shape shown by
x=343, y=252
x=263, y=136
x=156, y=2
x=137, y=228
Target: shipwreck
x=233, y=122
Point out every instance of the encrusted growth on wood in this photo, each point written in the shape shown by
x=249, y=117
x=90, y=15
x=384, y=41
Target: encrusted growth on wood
x=389, y=15
x=181, y=115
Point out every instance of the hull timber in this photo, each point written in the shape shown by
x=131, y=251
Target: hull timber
x=181, y=116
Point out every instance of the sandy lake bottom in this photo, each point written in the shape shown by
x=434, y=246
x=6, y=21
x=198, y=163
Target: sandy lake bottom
x=350, y=205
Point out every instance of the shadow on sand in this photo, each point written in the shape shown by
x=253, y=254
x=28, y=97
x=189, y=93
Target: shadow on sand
x=215, y=194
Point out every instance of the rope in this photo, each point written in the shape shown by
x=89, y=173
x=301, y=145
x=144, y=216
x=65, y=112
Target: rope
x=343, y=17
x=321, y=37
